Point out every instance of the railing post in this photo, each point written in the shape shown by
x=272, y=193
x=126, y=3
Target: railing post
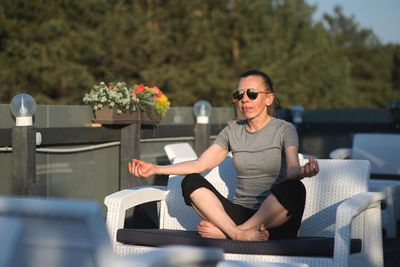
x=130, y=148
x=23, y=163
x=202, y=112
x=201, y=137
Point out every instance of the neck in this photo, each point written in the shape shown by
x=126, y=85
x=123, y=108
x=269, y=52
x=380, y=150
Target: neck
x=255, y=124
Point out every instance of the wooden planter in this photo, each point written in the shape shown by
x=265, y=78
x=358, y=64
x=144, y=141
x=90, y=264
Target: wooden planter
x=109, y=116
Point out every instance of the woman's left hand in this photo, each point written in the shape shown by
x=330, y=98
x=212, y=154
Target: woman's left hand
x=310, y=169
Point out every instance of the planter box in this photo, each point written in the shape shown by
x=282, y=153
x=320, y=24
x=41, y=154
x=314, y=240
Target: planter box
x=109, y=116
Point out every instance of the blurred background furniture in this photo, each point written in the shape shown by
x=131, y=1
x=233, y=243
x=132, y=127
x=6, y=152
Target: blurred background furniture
x=228, y=263
x=175, y=256
x=185, y=150
x=179, y=150
x=9, y=234
x=339, y=212
x=42, y=232
x=383, y=152
x=57, y=232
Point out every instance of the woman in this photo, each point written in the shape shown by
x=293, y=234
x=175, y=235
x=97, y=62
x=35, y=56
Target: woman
x=269, y=199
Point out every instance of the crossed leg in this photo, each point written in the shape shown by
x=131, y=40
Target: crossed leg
x=218, y=224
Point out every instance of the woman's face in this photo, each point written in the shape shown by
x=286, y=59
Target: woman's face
x=254, y=108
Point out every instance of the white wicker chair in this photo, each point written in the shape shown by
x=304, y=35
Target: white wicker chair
x=382, y=150
x=37, y=232
x=337, y=205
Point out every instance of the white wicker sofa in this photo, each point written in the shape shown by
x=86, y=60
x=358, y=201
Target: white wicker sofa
x=338, y=206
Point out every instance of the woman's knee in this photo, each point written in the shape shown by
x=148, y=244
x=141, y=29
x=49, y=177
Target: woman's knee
x=291, y=194
x=191, y=183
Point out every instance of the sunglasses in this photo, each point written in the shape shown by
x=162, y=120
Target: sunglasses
x=251, y=93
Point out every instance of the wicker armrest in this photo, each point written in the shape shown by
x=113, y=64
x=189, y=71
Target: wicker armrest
x=346, y=212
x=356, y=204
x=117, y=204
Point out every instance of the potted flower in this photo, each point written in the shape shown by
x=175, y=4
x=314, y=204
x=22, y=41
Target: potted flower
x=150, y=99
x=117, y=103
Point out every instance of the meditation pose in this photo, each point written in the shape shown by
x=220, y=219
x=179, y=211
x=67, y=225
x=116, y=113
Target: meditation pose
x=269, y=199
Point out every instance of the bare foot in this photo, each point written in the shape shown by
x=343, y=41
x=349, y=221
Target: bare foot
x=258, y=233
x=209, y=230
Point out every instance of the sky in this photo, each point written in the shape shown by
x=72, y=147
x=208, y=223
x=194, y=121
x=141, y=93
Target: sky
x=381, y=16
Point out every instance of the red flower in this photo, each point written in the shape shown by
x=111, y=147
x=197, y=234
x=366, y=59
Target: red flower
x=139, y=89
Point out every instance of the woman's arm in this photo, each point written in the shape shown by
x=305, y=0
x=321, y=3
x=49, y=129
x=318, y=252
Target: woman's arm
x=294, y=170
x=210, y=158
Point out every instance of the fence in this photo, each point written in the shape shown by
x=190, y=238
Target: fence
x=76, y=160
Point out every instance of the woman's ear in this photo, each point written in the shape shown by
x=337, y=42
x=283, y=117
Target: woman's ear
x=270, y=99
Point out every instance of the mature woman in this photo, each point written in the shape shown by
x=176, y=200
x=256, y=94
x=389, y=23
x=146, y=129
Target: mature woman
x=269, y=200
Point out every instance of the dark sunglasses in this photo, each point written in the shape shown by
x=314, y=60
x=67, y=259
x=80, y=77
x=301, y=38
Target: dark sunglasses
x=251, y=93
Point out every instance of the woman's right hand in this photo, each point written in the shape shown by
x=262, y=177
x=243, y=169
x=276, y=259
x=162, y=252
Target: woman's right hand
x=141, y=169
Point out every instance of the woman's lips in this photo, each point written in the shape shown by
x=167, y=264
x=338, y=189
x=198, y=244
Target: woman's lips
x=246, y=109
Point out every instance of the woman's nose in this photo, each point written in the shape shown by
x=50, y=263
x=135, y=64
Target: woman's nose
x=245, y=98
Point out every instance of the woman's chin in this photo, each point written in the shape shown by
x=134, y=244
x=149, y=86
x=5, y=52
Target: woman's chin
x=246, y=115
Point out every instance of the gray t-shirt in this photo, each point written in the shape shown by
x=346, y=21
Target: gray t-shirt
x=258, y=157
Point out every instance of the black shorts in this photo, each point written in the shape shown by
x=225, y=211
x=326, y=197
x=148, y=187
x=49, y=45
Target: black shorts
x=290, y=193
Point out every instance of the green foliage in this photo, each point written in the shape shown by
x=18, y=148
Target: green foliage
x=57, y=50
x=372, y=65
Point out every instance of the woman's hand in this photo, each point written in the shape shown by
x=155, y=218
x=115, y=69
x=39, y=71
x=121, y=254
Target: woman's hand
x=294, y=170
x=309, y=169
x=141, y=169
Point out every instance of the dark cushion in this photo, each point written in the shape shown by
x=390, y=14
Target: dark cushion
x=304, y=246
x=381, y=176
